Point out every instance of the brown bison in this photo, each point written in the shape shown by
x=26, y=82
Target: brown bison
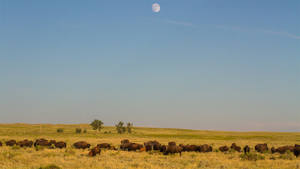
x=297, y=151
x=95, y=151
x=52, y=141
x=104, y=145
x=156, y=146
x=0, y=144
x=140, y=146
x=246, y=149
x=133, y=147
x=42, y=143
x=10, y=142
x=183, y=146
x=223, y=148
x=23, y=143
x=148, y=147
x=60, y=145
x=297, y=145
x=125, y=145
x=235, y=147
x=81, y=144
x=283, y=149
x=189, y=148
x=125, y=141
x=150, y=143
x=30, y=143
x=172, y=143
x=162, y=148
x=261, y=147
x=142, y=149
x=205, y=148
x=172, y=150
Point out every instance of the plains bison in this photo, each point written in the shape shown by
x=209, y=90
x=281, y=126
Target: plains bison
x=189, y=148
x=235, y=147
x=148, y=147
x=297, y=151
x=162, y=148
x=156, y=146
x=183, y=146
x=133, y=147
x=246, y=149
x=261, y=147
x=283, y=149
x=205, y=148
x=61, y=145
x=172, y=143
x=104, y=145
x=95, y=151
x=172, y=150
x=125, y=145
x=81, y=144
x=223, y=148
x=10, y=142
x=124, y=141
x=23, y=143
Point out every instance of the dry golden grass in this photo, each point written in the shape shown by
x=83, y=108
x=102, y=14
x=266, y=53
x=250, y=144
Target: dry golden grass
x=30, y=158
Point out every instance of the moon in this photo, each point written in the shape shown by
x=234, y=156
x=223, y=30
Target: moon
x=155, y=7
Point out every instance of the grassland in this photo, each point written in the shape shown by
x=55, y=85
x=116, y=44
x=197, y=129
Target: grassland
x=73, y=158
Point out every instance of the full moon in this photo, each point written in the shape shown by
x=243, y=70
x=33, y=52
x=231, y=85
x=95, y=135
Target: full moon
x=155, y=7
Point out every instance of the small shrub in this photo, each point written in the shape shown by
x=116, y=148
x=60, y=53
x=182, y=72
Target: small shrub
x=272, y=157
x=9, y=154
x=69, y=151
x=193, y=155
x=78, y=130
x=266, y=152
x=288, y=155
x=16, y=147
x=84, y=131
x=217, y=150
x=51, y=154
x=231, y=150
x=39, y=148
x=252, y=156
x=51, y=166
x=60, y=130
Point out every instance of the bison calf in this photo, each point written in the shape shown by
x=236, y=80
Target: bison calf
x=142, y=149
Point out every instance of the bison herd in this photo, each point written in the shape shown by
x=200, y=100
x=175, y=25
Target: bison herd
x=171, y=148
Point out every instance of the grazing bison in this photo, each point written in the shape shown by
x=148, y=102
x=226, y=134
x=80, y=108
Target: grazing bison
x=52, y=141
x=150, y=142
x=297, y=145
x=61, y=145
x=10, y=142
x=94, y=151
x=148, y=147
x=235, y=147
x=297, y=151
x=261, y=147
x=156, y=146
x=81, y=144
x=0, y=144
x=205, y=148
x=172, y=143
x=172, y=150
x=223, y=148
x=42, y=143
x=30, y=143
x=125, y=145
x=133, y=147
x=246, y=149
x=283, y=149
x=104, y=145
x=189, y=148
x=142, y=149
x=125, y=141
x=140, y=146
x=183, y=146
x=23, y=143
x=162, y=148
x=273, y=150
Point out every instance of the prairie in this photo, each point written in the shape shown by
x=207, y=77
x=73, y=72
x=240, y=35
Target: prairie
x=14, y=157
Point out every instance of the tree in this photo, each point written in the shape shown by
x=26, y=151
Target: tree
x=120, y=127
x=97, y=124
x=128, y=127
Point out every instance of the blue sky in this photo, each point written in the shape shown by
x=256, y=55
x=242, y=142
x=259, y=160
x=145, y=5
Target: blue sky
x=208, y=65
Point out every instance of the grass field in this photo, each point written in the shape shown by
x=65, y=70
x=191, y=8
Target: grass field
x=30, y=158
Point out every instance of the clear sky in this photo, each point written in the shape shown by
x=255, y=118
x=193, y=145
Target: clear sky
x=200, y=64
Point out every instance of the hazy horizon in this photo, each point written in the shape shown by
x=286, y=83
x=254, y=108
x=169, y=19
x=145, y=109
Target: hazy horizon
x=204, y=65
